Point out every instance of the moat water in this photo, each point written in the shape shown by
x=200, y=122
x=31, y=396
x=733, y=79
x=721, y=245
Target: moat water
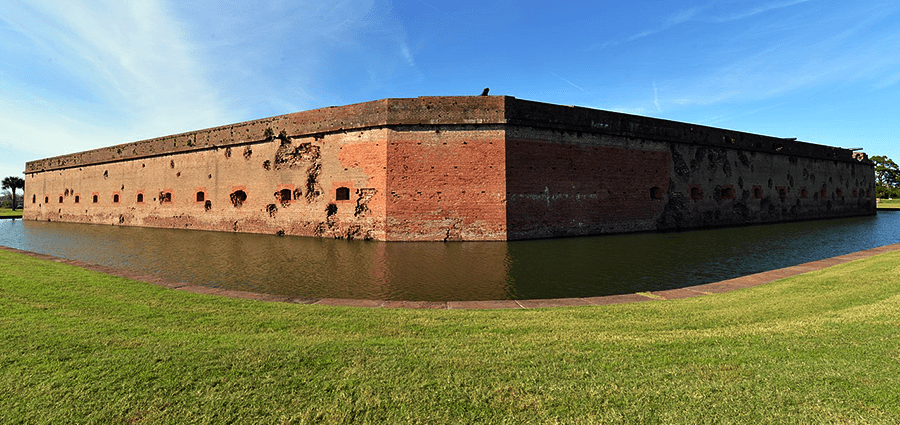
x=434, y=271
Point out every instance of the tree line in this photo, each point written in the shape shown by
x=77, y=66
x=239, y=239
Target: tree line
x=12, y=183
x=887, y=177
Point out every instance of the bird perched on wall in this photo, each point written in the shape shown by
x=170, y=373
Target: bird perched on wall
x=485, y=91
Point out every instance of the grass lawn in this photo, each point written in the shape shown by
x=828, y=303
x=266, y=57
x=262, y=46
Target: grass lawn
x=893, y=203
x=8, y=212
x=81, y=347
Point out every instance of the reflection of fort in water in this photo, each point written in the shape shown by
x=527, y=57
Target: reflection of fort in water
x=436, y=271
x=451, y=168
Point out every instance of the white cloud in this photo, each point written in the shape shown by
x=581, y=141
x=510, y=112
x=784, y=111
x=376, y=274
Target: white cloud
x=656, y=97
x=758, y=10
x=694, y=14
x=78, y=74
x=675, y=19
x=111, y=71
x=289, y=56
x=570, y=83
x=819, y=51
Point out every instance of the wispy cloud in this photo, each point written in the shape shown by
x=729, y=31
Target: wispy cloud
x=675, y=19
x=569, y=83
x=757, y=10
x=302, y=47
x=83, y=74
x=819, y=51
x=656, y=97
x=127, y=68
x=702, y=14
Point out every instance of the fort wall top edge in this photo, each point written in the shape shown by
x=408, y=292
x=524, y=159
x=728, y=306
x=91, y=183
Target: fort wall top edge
x=443, y=110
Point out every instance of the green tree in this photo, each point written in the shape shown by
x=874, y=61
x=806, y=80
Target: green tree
x=887, y=177
x=12, y=183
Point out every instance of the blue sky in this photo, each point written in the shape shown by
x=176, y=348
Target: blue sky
x=77, y=75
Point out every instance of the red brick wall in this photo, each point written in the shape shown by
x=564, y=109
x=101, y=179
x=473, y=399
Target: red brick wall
x=446, y=184
x=343, y=159
x=566, y=185
x=453, y=168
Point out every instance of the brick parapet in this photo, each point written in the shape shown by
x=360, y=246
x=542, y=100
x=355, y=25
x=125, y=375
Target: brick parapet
x=574, y=118
x=362, y=116
x=443, y=110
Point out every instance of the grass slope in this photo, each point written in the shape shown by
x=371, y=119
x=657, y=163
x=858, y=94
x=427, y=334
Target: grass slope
x=8, y=212
x=83, y=347
x=889, y=203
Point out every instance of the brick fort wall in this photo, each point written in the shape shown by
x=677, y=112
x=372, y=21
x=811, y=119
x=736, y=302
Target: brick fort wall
x=451, y=168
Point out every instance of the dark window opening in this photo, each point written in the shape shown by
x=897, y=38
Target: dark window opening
x=140, y=197
x=46, y=199
x=655, y=192
x=60, y=199
x=804, y=193
x=116, y=198
x=727, y=193
x=342, y=194
x=77, y=199
x=840, y=194
x=782, y=193
x=238, y=198
x=201, y=196
x=95, y=199
x=165, y=197
x=33, y=198
x=757, y=192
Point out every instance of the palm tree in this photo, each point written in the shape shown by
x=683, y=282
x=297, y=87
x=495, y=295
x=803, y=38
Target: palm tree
x=12, y=183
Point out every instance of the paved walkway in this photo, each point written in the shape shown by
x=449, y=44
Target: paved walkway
x=669, y=294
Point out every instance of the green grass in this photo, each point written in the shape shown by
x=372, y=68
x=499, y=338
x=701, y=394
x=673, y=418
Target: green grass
x=8, y=212
x=892, y=203
x=83, y=347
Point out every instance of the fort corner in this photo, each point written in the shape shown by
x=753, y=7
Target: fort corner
x=452, y=168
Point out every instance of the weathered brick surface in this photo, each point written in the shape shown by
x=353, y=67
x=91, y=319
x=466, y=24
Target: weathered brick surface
x=567, y=183
x=451, y=168
x=446, y=183
x=307, y=166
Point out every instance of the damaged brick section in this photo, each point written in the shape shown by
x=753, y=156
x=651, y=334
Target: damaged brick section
x=238, y=198
x=362, y=201
x=305, y=155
